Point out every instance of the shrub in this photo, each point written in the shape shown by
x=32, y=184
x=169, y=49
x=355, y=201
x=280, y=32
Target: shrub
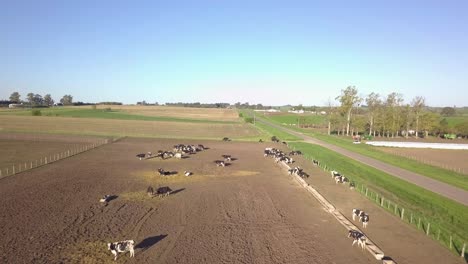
x=248, y=120
x=36, y=112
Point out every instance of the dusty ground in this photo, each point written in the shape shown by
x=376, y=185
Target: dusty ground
x=445, y=158
x=248, y=212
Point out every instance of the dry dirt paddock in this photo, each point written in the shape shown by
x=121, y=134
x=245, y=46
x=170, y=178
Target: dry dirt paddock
x=248, y=212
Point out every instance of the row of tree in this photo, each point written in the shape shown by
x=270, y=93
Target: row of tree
x=37, y=100
x=389, y=116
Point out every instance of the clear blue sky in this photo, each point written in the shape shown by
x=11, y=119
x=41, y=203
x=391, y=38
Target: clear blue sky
x=274, y=53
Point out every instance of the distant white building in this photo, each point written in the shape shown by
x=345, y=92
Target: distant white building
x=268, y=110
x=297, y=111
x=15, y=105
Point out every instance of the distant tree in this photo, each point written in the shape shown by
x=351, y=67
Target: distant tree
x=67, y=100
x=407, y=118
x=48, y=101
x=418, y=104
x=446, y=111
x=443, y=127
x=349, y=99
x=38, y=100
x=15, y=97
x=373, y=103
x=392, y=111
x=30, y=98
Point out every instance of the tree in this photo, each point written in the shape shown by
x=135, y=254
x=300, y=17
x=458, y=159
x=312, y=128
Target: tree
x=48, y=101
x=15, y=97
x=67, y=100
x=348, y=100
x=392, y=104
x=373, y=103
x=418, y=104
x=407, y=118
x=446, y=111
x=462, y=129
x=30, y=97
x=38, y=100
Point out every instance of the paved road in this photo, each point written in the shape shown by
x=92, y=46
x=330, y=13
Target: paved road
x=446, y=190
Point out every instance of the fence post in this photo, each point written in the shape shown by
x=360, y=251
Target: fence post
x=45, y=160
x=0, y=173
x=25, y=166
x=411, y=221
x=450, y=241
x=377, y=197
x=396, y=208
x=463, y=250
x=419, y=223
x=31, y=164
x=381, y=201
x=13, y=169
x=366, y=191
x=428, y=227
x=6, y=171
x=438, y=235
x=402, y=213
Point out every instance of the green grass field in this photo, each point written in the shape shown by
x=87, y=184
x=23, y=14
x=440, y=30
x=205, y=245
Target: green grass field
x=297, y=119
x=105, y=114
x=450, y=177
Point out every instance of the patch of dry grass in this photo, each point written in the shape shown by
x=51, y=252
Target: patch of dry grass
x=91, y=253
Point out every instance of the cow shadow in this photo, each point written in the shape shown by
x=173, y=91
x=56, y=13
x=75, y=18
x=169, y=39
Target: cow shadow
x=149, y=242
x=177, y=191
x=226, y=164
x=234, y=159
x=112, y=197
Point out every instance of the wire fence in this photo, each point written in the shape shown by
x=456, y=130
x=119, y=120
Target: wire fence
x=28, y=165
x=454, y=242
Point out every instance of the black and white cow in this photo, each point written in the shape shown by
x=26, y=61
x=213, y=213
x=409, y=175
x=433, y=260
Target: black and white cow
x=364, y=219
x=105, y=198
x=141, y=156
x=335, y=173
x=315, y=162
x=358, y=237
x=187, y=173
x=163, y=191
x=162, y=172
x=352, y=185
x=220, y=163
x=227, y=157
x=122, y=247
x=358, y=213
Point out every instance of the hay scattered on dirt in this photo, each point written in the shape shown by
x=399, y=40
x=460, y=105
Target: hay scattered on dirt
x=245, y=173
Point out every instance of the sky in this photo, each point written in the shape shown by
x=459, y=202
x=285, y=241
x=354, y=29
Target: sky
x=268, y=52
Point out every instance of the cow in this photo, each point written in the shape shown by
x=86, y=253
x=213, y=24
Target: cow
x=187, y=173
x=334, y=174
x=141, y=156
x=163, y=191
x=226, y=139
x=227, y=157
x=358, y=237
x=105, y=198
x=358, y=213
x=364, y=219
x=315, y=162
x=352, y=185
x=163, y=172
x=167, y=154
x=220, y=163
x=122, y=247
x=178, y=155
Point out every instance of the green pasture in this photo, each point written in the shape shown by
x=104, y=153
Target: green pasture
x=105, y=114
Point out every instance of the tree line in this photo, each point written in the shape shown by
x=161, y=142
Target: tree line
x=388, y=116
x=37, y=100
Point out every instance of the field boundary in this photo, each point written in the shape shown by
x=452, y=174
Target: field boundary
x=29, y=165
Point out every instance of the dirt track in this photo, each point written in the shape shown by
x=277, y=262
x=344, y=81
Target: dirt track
x=249, y=212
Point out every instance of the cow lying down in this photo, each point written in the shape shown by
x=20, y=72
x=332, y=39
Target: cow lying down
x=122, y=247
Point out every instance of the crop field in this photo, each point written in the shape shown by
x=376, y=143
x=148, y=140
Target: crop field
x=120, y=128
x=247, y=212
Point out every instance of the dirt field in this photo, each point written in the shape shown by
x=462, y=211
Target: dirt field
x=21, y=148
x=444, y=158
x=111, y=127
x=248, y=212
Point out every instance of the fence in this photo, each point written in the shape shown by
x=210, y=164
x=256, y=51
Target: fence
x=21, y=167
x=454, y=242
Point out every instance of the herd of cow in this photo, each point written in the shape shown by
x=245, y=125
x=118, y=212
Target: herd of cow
x=179, y=151
x=357, y=236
